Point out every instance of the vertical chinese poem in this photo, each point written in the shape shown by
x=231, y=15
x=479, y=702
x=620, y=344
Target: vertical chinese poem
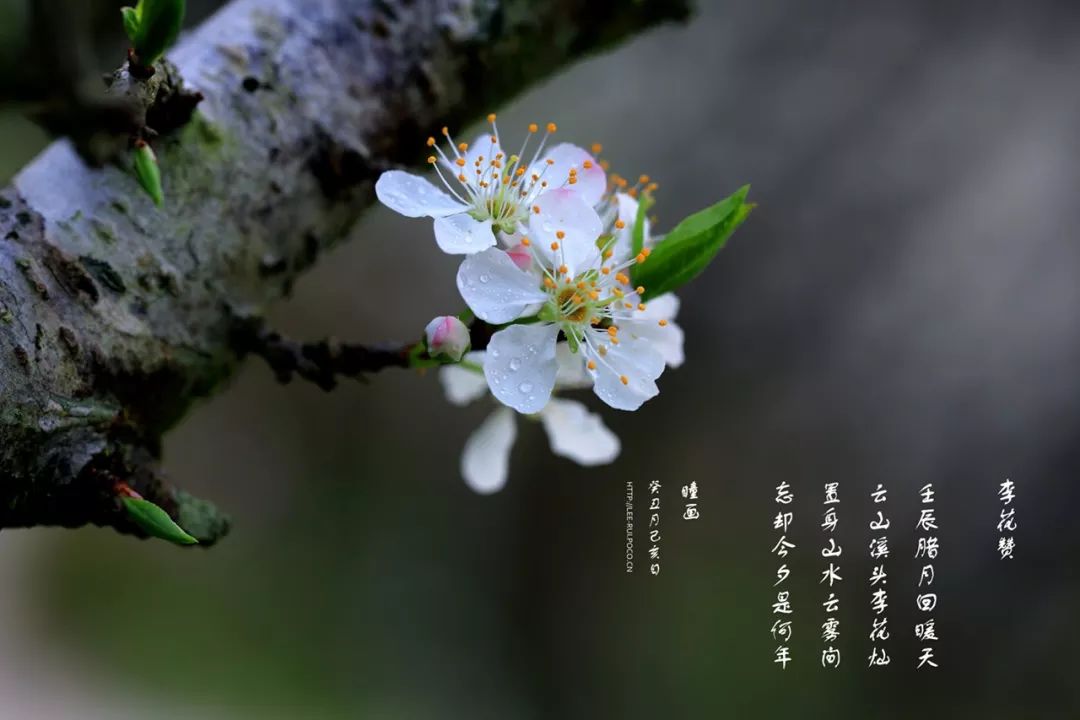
x=926, y=600
x=781, y=629
x=879, y=594
x=831, y=551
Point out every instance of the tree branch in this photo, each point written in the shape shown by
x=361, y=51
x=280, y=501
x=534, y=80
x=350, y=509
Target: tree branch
x=115, y=316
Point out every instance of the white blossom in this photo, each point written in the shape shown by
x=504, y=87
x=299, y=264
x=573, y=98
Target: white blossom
x=578, y=291
x=487, y=191
x=573, y=432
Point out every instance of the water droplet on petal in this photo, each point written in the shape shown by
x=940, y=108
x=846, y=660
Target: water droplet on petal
x=515, y=363
x=525, y=387
x=484, y=278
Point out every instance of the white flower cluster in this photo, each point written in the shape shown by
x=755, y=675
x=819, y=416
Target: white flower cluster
x=548, y=242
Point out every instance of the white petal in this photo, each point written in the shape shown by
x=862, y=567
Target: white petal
x=463, y=385
x=572, y=374
x=624, y=239
x=561, y=211
x=485, y=461
x=413, y=196
x=633, y=358
x=665, y=307
x=520, y=365
x=461, y=234
x=578, y=434
x=591, y=182
x=495, y=288
x=484, y=147
x=667, y=339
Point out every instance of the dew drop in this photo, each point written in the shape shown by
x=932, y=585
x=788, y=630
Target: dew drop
x=515, y=363
x=485, y=278
x=525, y=387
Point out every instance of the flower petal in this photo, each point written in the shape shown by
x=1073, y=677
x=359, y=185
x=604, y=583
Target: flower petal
x=591, y=182
x=564, y=213
x=572, y=374
x=520, y=366
x=482, y=147
x=667, y=339
x=578, y=434
x=461, y=234
x=462, y=385
x=624, y=239
x=413, y=196
x=495, y=288
x=485, y=462
x=665, y=307
x=634, y=359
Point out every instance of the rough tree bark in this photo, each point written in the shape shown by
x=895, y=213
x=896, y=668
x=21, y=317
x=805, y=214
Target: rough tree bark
x=115, y=315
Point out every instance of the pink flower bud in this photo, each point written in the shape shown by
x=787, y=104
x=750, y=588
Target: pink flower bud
x=446, y=335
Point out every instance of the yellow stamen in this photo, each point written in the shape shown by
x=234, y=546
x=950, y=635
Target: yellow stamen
x=560, y=234
x=533, y=128
x=620, y=224
x=662, y=323
x=591, y=364
x=554, y=246
x=551, y=127
x=624, y=380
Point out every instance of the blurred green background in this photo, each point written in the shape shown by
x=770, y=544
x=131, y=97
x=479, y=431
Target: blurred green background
x=902, y=308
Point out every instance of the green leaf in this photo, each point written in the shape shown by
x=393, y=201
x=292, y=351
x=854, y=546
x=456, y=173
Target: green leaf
x=691, y=245
x=130, y=17
x=148, y=172
x=638, y=237
x=155, y=521
x=159, y=24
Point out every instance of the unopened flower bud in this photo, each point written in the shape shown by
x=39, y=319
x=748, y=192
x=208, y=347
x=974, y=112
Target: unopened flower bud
x=446, y=335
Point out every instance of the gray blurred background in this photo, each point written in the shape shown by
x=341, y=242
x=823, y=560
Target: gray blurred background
x=901, y=308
